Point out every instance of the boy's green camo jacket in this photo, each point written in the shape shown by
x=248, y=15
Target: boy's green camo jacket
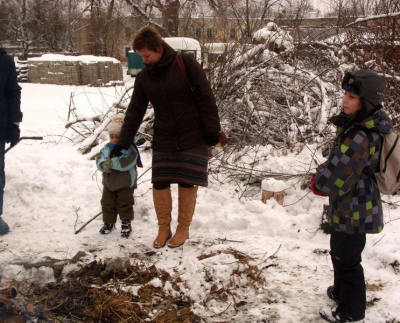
x=347, y=177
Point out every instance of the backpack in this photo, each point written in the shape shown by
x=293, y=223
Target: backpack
x=388, y=174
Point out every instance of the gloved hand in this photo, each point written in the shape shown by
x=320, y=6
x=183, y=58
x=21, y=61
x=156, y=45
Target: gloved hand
x=315, y=190
x=212, y=140
x=13, y=134
x=107, y=165
x=116, y=151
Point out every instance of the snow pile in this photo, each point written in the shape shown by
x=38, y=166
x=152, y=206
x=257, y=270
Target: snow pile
x=273, y=185
x=273, y=34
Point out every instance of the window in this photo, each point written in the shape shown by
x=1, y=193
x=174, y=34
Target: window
x=209, y=33
x=128, y=32
x=233, y=33
x=198, y=33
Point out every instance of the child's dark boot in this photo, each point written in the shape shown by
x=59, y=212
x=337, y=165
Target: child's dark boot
x=334, y=316
x=4, y=228
x=107, y=228
x=126, y=228
x=332, y=295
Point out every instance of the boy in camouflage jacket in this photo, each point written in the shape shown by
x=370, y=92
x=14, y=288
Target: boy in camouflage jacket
x=355, y=206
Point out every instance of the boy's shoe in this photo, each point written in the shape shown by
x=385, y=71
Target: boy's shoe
x=126, y=228
x=4, y=228
x=331, y=294
x=330, y=315
x=107, y=228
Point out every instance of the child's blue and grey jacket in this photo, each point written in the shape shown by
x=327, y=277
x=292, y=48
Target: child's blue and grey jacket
x=123, y=170
x=347, y=177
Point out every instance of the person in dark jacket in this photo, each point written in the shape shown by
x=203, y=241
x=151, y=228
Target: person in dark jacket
x=355, y=206
x=10, y=117
x=186, y=123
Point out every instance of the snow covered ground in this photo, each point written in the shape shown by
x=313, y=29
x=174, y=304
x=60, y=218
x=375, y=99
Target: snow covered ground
x=52, y=190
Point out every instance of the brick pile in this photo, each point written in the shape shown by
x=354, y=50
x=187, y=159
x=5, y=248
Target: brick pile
x=74, y=71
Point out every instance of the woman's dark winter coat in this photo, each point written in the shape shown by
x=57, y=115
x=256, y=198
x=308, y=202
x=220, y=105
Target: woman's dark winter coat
x=347, y=177
x=10, y=93
x=182, y=119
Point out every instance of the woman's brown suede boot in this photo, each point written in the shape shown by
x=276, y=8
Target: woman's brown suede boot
x=187, y=203
x=163, y=205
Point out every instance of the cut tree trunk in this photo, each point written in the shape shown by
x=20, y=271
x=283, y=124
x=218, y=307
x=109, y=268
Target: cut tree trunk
x=278, y=196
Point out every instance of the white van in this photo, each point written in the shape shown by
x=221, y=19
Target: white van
x=215, y=52
x=185, y=45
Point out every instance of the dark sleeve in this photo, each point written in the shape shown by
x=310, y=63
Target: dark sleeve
x=126, y=161
x=134, y=114
x=13, y=93
x=204, y=95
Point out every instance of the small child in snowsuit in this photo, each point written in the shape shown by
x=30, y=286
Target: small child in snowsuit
x=119, y=181
x=347, y=177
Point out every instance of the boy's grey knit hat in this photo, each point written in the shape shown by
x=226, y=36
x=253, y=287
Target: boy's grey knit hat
x=114, y=127
x=369, y=86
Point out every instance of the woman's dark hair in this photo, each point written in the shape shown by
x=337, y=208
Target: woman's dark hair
x=149, y=38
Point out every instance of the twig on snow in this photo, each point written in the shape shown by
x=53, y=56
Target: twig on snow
x=79, y=230
x=379, y=240
x=271, y=255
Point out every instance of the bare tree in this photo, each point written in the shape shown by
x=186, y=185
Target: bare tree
x=36, y=25
x=249, y=15
x=75, y=11
x=151, y=12
x=102, y=32
x=4, y=8
x=23, y=24
x=166, y=15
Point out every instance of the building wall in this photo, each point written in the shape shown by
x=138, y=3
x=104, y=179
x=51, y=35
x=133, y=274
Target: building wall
x=115, y=39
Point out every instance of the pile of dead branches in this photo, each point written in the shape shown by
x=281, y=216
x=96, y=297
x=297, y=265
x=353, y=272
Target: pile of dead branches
x=94, y=294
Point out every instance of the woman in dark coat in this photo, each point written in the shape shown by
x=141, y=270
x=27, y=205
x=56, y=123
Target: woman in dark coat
x=186, y=123
x=10, y=117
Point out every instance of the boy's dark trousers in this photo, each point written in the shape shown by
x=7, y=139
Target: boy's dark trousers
x=117, y=202
x=349, y=283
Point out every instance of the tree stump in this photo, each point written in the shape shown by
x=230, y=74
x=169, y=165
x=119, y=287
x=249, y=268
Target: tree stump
x=278, y=196
x=266, y=196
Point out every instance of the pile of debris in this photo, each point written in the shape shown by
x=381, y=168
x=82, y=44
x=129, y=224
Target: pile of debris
x=113, y=291
x=131, y=289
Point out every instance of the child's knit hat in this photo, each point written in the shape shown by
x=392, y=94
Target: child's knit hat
x=369, y=86
x=114, y=127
